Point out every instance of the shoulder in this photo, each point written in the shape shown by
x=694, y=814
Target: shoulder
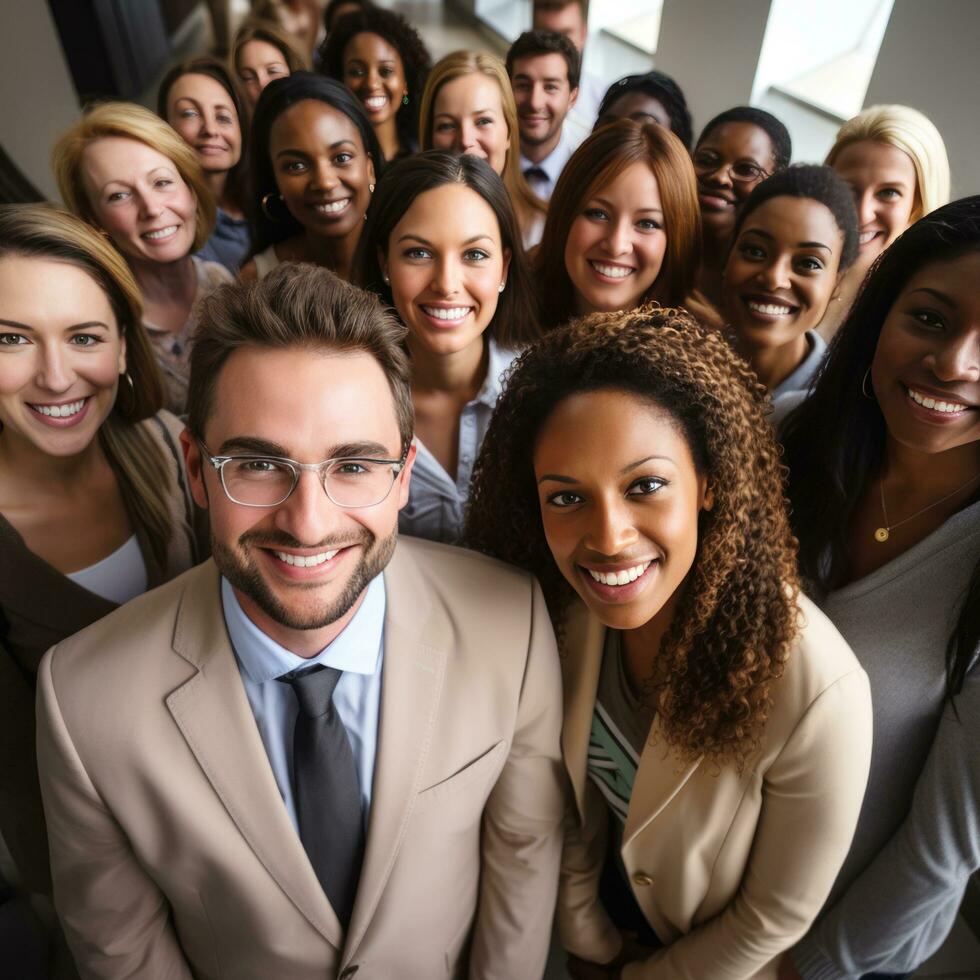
x=210, y=275
x=164, y=427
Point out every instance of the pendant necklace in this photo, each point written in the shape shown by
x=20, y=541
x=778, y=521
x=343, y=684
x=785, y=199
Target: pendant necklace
x=882, y=533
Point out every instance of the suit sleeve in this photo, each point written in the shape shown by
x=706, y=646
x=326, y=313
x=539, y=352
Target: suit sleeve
x=93, y=867
x=812, y=796
x=898, y=911
x=522, y=825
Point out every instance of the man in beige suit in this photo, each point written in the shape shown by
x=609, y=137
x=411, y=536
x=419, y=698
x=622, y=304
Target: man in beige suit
x=213, y=809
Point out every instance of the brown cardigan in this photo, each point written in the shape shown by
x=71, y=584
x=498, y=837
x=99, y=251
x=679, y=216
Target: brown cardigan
x=39, y=606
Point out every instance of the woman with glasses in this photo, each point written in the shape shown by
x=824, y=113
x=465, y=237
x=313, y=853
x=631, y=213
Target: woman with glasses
x=737, y=150
x=794, y=239
x=93, y=502
x=463, y=289
x=623, y=227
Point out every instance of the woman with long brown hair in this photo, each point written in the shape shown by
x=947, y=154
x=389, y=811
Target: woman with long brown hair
x=717, y=728
x=623, y=227
x=468, y=107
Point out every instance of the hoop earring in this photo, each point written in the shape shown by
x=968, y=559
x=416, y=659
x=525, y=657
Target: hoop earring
x=864, y=386
x=265, y=205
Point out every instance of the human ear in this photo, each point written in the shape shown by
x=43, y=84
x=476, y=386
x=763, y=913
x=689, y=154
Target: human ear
x=194, y=468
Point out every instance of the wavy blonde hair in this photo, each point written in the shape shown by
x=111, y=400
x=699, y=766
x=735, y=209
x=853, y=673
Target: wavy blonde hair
x=527, y=204
x=736, y=620
x=908, y=130
x=128, y=121
x=43, y=232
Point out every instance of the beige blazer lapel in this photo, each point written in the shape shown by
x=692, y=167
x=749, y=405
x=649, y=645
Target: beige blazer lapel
x=415, y=653
x=213, y=713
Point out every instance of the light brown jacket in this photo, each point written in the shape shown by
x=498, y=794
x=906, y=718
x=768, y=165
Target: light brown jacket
x=173, y=855
x=729, y=869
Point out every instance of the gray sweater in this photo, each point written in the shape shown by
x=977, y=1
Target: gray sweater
x=918, y=836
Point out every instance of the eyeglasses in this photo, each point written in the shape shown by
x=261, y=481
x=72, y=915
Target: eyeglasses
x=267, y=481
x=742, y=171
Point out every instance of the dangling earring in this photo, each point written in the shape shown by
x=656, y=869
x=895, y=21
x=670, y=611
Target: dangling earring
x=864, y=386
x=405, y=99
x=501, y=287
x=265, y=204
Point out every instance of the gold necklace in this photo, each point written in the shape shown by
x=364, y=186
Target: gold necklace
x=882, y=533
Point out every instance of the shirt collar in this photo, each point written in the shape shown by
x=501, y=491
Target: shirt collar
x=357, y=649
x=555, y=161
x=498, y=360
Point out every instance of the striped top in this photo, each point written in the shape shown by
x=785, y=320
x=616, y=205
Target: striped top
x=620, y=724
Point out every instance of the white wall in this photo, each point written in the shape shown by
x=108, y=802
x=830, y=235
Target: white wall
x=37, y=98
x=929, y=60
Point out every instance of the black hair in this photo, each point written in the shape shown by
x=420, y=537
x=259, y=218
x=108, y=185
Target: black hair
x=515, y=321
x=540, y=41
x=330, y=11
x=275, y=99
x=816, y=183
x=835, y=440
x=660, y=87
x=236, y=183
x=782, y=145
x=416, y=60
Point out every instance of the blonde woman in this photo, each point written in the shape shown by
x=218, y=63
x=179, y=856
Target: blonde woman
x=896, y=164
x=131, y=176
x=468, y=107
x=93, y=502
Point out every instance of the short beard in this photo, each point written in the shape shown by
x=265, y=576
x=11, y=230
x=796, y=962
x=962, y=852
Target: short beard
x=237, y=566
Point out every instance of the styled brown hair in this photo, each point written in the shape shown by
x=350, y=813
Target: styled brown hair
x=131, y=122
x=296, y=305
x=736, y=619
x=270, y=33
x=43, y=232
x=456, y=65
x=599, y=160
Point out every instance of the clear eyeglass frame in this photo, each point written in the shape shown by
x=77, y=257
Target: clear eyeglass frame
x=219, y=462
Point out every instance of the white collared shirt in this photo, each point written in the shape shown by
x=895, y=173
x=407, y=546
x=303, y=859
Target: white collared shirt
x=436, y=501
x=554, y=163
x=358, y=652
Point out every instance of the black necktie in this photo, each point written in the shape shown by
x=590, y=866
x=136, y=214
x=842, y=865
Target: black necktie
x=535, y=173
x=326, y=789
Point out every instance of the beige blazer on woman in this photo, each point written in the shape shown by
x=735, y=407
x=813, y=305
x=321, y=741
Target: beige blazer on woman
x=729, y=869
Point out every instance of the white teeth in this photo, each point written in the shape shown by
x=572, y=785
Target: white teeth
x=333, y=207
x=769, y=309
x=450, y=313
x=59, y=411
x=305, y=561
x=866, y=237
x=376, y=101
x=624, y=577
x=613, y=271
x=160, y=233
x=950, y=408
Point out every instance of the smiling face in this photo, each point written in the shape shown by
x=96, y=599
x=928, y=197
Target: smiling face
x=61, y=355
x=200, y=109
x=731, y=159
x=882, y=178
x=346, y=410
x=616, y=244
x=446, y=276
x=374, y=72
x=620, y=498
x=468, y=117
x=322, y=169
x=543, y=97
x=258, y=64
x=782, y=272
x=926, y=368
x=139, y=198
x=639, y=107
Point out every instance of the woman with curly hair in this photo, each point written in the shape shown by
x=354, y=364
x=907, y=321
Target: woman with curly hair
x=717, y=728
x=623, y=227
x=884, y=461
x=380, y=57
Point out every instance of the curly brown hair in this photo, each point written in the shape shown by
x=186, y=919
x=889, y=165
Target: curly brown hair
x=735, y=624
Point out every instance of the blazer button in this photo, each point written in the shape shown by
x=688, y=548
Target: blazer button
x=642, y=879
x=348, y=973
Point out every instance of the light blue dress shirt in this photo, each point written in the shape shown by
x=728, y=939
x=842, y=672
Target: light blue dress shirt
x=436, y=501
x=554, y=163
x=358, y=652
